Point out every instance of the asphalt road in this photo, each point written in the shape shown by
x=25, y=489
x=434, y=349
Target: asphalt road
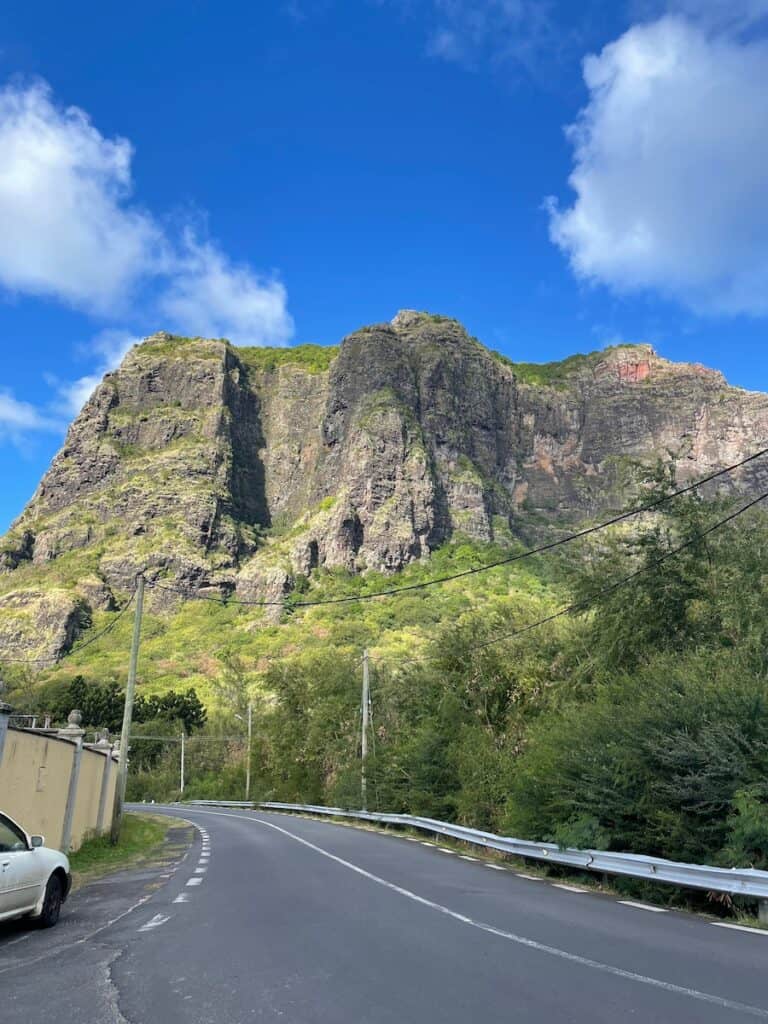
x=279, y=918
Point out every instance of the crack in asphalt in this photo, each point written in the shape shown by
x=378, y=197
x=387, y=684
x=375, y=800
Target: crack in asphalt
x=112, y=993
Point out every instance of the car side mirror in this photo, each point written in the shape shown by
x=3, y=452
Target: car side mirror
x=37, y=841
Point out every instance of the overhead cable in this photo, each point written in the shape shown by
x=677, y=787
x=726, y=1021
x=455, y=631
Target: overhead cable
x=528, y=553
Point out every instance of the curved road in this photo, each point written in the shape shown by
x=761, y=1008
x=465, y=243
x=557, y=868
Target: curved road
x=273, y=917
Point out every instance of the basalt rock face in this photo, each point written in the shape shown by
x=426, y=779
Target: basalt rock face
x=237, y=470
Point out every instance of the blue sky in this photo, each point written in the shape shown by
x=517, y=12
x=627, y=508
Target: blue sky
x=284, y=172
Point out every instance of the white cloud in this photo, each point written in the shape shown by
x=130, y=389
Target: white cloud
x=108, y=347
x=18, y=419
x=70, y=231
x=210, y=296
x=67, y=230
x=671, y=164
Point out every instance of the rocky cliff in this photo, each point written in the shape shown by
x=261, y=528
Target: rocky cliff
x=238, y=470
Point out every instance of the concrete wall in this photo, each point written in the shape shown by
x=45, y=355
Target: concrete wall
x=86, y=813
x=35, y=774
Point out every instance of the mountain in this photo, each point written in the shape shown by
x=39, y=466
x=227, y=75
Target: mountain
x=241, y=471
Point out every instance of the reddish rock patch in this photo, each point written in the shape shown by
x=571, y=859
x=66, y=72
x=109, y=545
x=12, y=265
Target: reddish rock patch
x=633, y=373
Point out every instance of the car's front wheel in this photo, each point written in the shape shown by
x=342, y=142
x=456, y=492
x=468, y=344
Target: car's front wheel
x=54, y=896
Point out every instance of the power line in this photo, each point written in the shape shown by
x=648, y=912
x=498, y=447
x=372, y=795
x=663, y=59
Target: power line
x=587, y=601
x=54, y=659
x=477, y=569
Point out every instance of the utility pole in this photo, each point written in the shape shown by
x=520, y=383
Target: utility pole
x=366, y=699
x=248, y=762
x=181, y=787
x=125, y=735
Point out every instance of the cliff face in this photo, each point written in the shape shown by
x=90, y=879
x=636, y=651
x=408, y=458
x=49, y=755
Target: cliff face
x=237, y=469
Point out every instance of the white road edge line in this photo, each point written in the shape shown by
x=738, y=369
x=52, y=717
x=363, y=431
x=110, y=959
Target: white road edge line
x=568, y=888
x=562, y=954
x=465, y=857
x=496, y=867
x=531, y=878
x=643, y=906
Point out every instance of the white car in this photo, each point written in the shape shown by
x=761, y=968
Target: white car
x=34, y=881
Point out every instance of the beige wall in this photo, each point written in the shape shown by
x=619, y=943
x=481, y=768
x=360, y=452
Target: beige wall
x=34, y=785
x=86, y=814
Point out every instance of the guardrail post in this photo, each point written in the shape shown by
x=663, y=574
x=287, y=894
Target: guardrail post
x=5, y=714
x=762, y=911
x=75, y=733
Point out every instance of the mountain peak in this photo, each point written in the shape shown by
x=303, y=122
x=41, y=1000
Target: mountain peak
x=406, y=319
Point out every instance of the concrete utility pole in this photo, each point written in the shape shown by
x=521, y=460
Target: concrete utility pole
x=366, y=699
x=181, y=787
x=248, y=762
x=125, y=735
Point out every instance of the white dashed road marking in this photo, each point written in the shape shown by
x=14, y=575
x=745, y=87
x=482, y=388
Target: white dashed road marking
x=568, y=888
x=741, y=928
x=643, y=906
x=496, y=867
x=465, y=857
x=531, y=878
x=183, y=897
x=195, y=881
x=155, y=922
x=200, y=871
x=444, y=849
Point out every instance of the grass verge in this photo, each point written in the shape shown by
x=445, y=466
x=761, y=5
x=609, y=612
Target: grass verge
x=141, y=837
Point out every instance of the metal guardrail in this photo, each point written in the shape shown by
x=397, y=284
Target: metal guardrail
x=736, y=881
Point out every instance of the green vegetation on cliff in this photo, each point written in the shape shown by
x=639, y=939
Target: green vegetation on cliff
x=312, y=358
x=189, y=643
x=557, y=374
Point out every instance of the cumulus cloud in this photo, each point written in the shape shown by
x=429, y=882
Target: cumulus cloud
x=211, y=296
x=18, y=419
x=68, y=230
x=670, y=166
x=72, y=231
